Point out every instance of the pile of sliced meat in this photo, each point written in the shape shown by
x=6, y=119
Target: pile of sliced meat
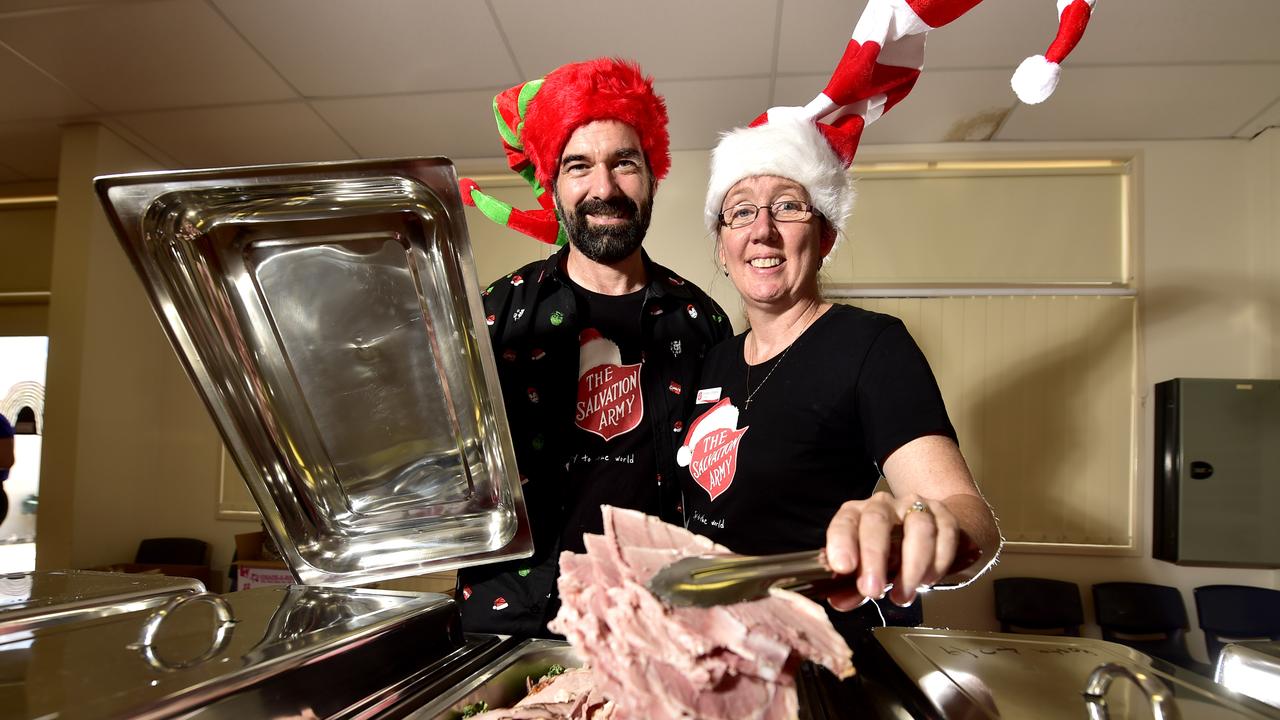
x=572, y=695
x=654, y=661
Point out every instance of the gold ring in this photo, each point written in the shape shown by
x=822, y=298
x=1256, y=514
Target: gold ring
x=919, y=506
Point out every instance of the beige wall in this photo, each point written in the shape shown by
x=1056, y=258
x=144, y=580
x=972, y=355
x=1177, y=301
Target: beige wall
x=1202, y=299
x=26, y=254
x=131, y=453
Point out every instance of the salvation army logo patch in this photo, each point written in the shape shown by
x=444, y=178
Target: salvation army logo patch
x=610, y=401
x=710, y=450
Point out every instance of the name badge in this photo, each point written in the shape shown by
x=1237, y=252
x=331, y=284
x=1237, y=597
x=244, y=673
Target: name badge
x=707, y=395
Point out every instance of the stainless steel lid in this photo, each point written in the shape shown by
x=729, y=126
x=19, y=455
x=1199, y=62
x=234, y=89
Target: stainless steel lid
x=330, y=317
x=29, y=600
x=1251, y=667
x=970, y=674
x=267, y=652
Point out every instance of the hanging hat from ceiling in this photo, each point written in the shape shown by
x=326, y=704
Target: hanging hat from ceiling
x=815, y=144
x=536, y=118
x=1037, y=76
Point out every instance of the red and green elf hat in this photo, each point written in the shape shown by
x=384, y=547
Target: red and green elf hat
x=536, y=118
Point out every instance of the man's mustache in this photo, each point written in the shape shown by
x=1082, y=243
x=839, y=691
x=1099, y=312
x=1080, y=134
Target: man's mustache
x=621, y=206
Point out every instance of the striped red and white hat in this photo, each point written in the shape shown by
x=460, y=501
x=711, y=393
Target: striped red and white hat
x=814, y=144
x=1037, y=77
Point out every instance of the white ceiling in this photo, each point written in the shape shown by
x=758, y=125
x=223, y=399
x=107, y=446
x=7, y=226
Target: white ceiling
x=222, y=82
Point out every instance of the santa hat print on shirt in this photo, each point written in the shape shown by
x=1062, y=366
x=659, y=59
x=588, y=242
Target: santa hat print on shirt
x=595, y=349
x=610, y=399
x=710, y=450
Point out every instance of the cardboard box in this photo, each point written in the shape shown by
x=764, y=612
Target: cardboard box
x=259, y=573
x=442, y=582
x=250, y=570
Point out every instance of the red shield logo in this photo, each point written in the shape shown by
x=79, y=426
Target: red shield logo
x=610, y=401
x=715, y=460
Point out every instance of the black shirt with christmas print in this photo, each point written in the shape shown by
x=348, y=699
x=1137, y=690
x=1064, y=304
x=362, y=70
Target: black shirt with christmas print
x=822, y=418
x=596, y=394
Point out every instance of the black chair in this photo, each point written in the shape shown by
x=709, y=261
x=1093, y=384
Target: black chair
x=172, y=551
x=1038, y=606
x=1148, y=618
x=1236, y=612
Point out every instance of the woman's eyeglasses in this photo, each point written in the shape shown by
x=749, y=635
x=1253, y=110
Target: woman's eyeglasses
x=743, y=214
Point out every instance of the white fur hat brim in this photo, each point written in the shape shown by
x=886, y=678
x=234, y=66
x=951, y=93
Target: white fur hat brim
x=791, y=148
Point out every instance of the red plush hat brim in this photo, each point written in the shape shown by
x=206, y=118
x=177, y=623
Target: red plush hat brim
x=600, y=89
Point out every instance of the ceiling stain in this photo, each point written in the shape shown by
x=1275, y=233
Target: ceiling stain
x=981, y=126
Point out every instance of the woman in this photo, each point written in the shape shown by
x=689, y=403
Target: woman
x=798, y=417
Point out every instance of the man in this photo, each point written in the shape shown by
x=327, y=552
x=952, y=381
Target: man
x=598, y=347
x=6, y=462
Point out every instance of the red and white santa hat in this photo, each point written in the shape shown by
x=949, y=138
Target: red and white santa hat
x=1037, y=77
x=595, y=350
x=722, y=416
x=815, y=144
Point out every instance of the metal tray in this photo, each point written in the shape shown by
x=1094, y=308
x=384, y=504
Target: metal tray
x=502, y=682
x=329, y=315
x=267, y=652
x=971, y=674
x=822, y=696
x=31, y=600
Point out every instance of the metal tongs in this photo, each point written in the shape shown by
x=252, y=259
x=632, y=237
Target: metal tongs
x=710, y=580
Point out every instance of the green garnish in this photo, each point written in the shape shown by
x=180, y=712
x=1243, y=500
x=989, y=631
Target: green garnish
x=554, y=670
x=475, y=708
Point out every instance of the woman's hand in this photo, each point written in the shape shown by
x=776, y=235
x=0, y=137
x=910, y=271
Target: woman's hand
x=863, y=539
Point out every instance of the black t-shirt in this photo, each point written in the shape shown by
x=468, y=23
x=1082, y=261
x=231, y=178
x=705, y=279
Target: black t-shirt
x=853, y=388
x=611, y=461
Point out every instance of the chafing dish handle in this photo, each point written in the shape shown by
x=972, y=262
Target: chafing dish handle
x=1158, y=693
x=221, y=632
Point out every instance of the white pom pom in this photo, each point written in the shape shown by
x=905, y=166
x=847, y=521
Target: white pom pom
x=684, y=456
x=1035, y=79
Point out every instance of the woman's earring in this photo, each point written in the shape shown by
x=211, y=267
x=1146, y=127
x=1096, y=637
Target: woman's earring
x=725, y=268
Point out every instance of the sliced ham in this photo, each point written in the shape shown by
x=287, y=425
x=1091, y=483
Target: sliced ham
x=735, y=662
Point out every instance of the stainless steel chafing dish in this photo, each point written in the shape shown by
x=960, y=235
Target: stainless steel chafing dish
x=329, y=316
x=1251, y=667
x=30, y=600
x=937, y=674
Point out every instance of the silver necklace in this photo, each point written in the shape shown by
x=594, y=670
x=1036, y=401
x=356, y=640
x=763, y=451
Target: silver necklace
x=752, y=393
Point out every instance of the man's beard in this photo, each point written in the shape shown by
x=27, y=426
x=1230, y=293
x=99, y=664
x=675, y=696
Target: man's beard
x=607, y=244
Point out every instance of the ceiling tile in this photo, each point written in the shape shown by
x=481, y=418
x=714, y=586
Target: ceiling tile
x=31, y=148
x=1181, y=31
x=671, y=39
x=456, y=125
x=141, y=56
x=1267, y=118
x=40, y=95
x=701, y=109
x=353, y=47
x=949, y=105
x=242, y=135
x=1134, y=103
